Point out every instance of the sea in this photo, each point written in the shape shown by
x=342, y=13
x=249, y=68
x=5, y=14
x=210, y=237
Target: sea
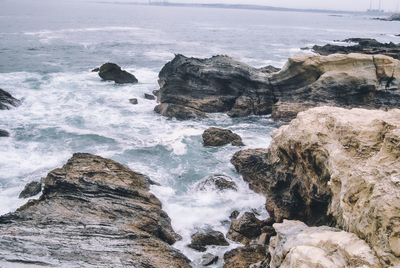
x=48, y=49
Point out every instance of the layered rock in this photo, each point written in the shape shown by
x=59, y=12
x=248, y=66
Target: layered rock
x=297, y=245
x=334, y=166
x=219, y=137
x=92, y=212
x=31, y=189
x=7, y=101
x=191, y=88
x=113, y=72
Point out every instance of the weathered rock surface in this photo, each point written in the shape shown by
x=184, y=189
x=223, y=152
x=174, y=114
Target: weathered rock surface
x=243, y=257
x=364, y=45
x=209, y=259
x=219, y=137
x=7, y=101
x=191, y=88
x=112, y=72
x=4, y=133
x=31, y=189
x=207, y=237
x=245, y=229
x=93, y=212
x=217, y=182
x=334, y=166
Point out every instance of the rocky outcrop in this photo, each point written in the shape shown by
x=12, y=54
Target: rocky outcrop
x=297, y=245
x=7, y=101
x=217, y=182
x=112, y=72
x=191, y=88
x=219, y=137
x=92, y=212
x=207, y=237
x=333, y=166
x=245, y=229
x=363, y=45
x=31, y=189
x=245, y=257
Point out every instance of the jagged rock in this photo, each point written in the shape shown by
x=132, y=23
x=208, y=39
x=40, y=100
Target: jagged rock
x=7, y=101
x=4, y=133
x=31, y=189
x=209, y=259
x=191, y=88
x=207, y=237
x=364, y=45
x=243, y=257
x=216, y=182
x=149, y=96
x=112, y=72
x=219, y=137
x=95, y=70
x=234, y=214
x=269, y=69
x=395, y=17
x=297, y=245
x=334, y=166
x=93, y=212
x=133, y=101
x=245, y=229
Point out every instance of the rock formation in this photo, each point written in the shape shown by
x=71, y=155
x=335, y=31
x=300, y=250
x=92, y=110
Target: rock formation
x=333, y=166
x=191, y=88
x=244, y=257
x=133, y=101
x=4, y=133
x=31, y=189
x=112, y=72
x=92, y=212
x=149, y=96
x=7, y=101
x=245, y=229
x=219, y=137
x=297, y=245
x=217, y=182
x=207, y=237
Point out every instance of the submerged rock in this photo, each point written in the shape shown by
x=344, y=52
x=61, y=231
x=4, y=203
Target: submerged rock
x=93, y=212
x=245, y=229
x=149, y=96
x=4, y=133
x=216, y=182
x=207, y=237
x=7, y=101
x=219, y=137
x=297, y=245
x=209, y=259
x=191, y=88
x=244, y=257
x=333, y=166
x=112, y=72
x=133, y=101
x=31, y=189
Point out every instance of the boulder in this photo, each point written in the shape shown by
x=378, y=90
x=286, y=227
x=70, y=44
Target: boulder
x=133, y=101
x=297, y=245
x=31, y=189
x=112, y=72
x=92, y=212
x=7, y=101
x=191, y=88
x=244, y=257
x=216, y=182
x=4, y=133
x=219, y=137
x=234, y=215
x=149, y=96
x=209, y=259
x=207, y=237
x=334, y=166
x=245, y=229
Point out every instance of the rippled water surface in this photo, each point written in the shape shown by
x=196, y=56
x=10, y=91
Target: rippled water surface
x=47, y=49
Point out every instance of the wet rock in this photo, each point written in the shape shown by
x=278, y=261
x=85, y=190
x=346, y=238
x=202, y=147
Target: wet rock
x=155, y=92
x=243, y=257
x=112, y=72
x=219, y=137
x=269, y=69
x=209, y=259
x=4, y=133
x=245, y=229
x=207, y=237
x=363, y=45
x=334, y=166
x=216, y=182
x=7, y=101
x=179, y=112
x=95, y=70
x=234, y=215
x=297, y=245
x=93, y=212
x=31, y=189
x=133, y=101
x=149, y=96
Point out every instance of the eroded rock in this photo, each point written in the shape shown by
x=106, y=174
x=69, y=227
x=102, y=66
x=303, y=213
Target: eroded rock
x=207, y=237
x=217, y=182
x=7, y=101
x=219, y=137
x=209, y=259
x=31, y=189
x=244, y=257
x=112, y=72
x=245, y=228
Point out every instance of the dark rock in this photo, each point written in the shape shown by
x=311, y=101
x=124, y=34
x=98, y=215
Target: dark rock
x=96, y=70
x=209, y=259
x=7, y=101
x=234, y=215
x=112, y=72
x=245, y=229
x=269, y=69
x=31, y=189
x=133, y=101
x=243, y=257
x=149, y=96
x=4, y=133
x=207, y=237
x=155, y=92
x=93, y=212
x=216, y=182
x=219, y=137
x=179, y=112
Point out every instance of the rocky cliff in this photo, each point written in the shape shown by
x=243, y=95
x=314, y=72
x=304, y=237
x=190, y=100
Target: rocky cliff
x=333, y=166
x=93, y=212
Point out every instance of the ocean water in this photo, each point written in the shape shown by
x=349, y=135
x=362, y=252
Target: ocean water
x=47, y=49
